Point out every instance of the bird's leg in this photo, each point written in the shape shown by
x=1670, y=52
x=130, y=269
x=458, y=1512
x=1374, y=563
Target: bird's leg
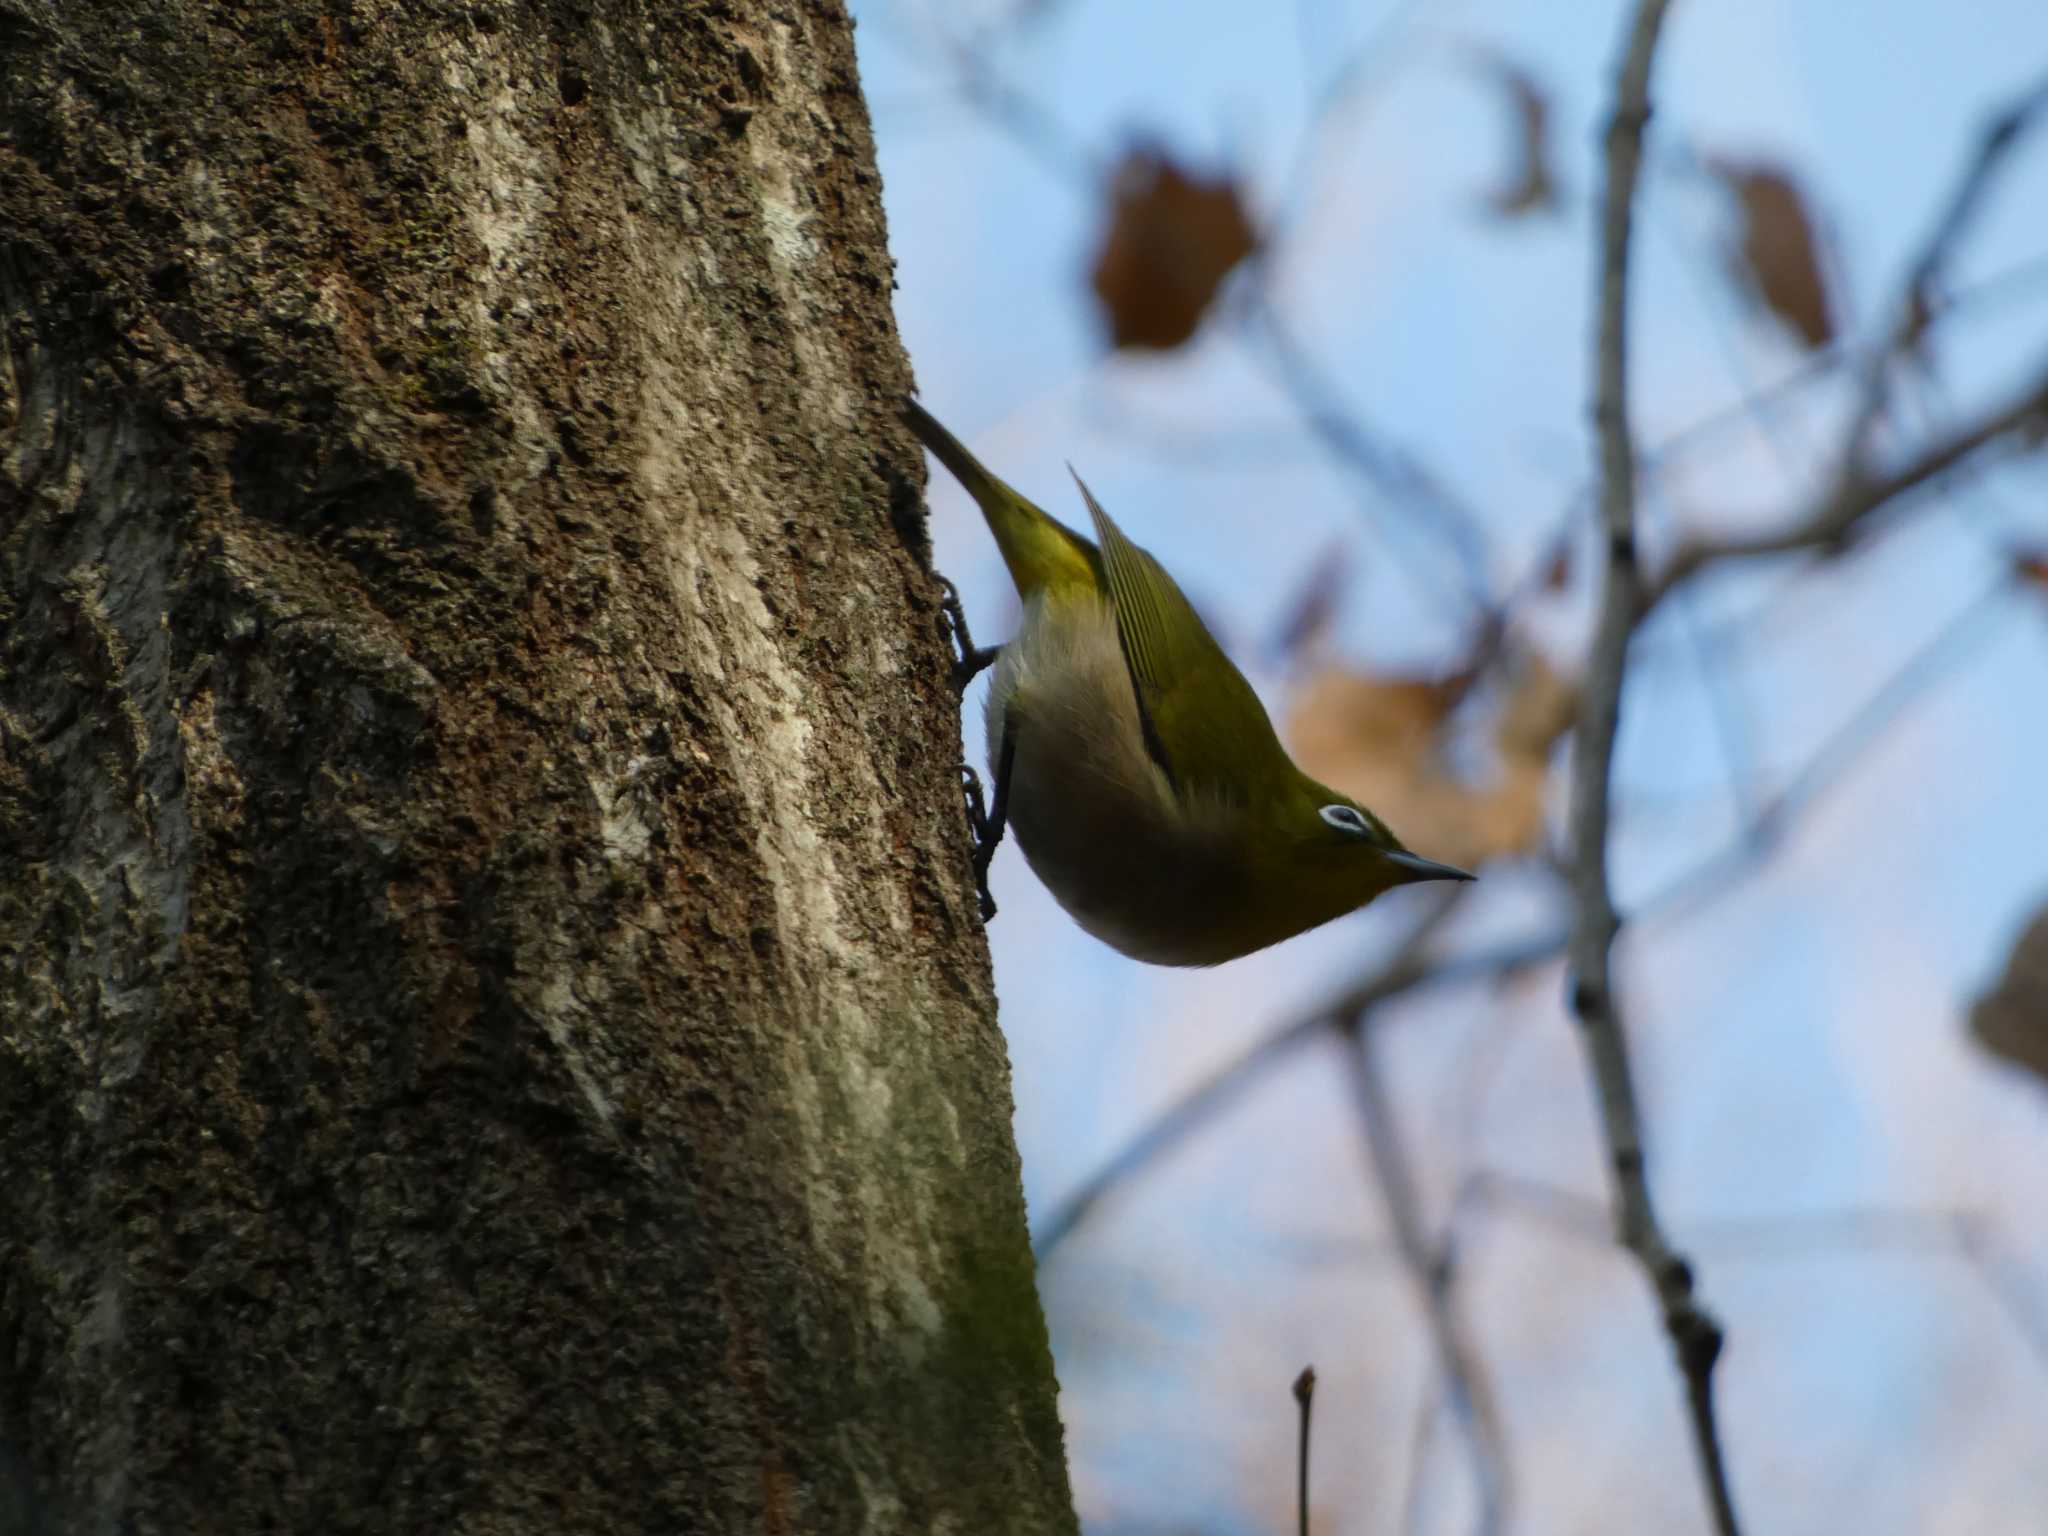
x=971, y=659
x=988, y=820
x=985, y=819
x=977, y=822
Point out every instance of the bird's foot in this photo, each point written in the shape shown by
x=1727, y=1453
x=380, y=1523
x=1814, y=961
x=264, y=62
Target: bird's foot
x=969, y=659
x=986, y=835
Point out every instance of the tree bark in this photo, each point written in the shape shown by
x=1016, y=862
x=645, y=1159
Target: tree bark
x=493, y=1030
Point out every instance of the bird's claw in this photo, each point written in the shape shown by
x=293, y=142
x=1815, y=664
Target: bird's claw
x=969, y=660
x=985, y=838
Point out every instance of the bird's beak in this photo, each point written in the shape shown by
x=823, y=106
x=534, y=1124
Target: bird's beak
x=1414, y=867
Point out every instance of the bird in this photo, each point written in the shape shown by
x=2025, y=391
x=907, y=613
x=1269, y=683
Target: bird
x=1141, y=775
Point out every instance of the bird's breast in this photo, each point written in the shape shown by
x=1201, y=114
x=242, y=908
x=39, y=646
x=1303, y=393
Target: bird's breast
x=1093, y=812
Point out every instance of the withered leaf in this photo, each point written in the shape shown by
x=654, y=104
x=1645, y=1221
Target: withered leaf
x=1172, y=239
x=2011, y=1020
x=1778, y=256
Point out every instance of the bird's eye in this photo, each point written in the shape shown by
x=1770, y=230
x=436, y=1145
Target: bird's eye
x=1345, y=819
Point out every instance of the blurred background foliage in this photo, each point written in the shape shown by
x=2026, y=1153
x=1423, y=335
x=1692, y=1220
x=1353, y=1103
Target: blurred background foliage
x=1306, y=292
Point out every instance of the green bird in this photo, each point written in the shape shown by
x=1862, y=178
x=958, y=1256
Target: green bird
x=1141, y=773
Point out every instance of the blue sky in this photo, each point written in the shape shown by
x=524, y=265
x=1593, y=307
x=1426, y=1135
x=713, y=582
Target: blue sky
x=1799, y=1039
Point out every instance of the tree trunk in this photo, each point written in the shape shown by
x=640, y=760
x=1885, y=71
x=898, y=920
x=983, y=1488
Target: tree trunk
x=493, y=1030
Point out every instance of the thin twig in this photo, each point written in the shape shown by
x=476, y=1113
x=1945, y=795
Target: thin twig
x=1734, y=1239
x=1410, y=965
x=2024, y=1309
x=2005, y=286
x=1263, y=444
x=1714, y=874
x=1170, y=1128
x=1304, y=1394
x=1370, y=63
x=1419, y=1443
x=1858, y=492
x=1416, y=967
x=1694, y=1332
x=1726, y=708
x=1565, y=1211
x=1970, y=625
x=1396, y=475
x=1830, y=525
x=1801, y=1235
x=982, y=88
x=1964, y=1233
x=1915, y=301
x=1466, y=1388
x=1726, y=705
x=2017, y=280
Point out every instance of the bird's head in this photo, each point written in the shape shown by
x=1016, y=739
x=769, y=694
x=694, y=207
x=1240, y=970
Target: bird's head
x=1329, y=855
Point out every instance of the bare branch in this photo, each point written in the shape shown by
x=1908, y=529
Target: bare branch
x=1415, y=966
x=1466, y=1387
x=1972, y=624
x=982, y=89
x=1693, y=1331
x=1594, y=919
x=1181, y=1120
x=1304, y=1394
x=1942, y=1230
x=1563, y=1211
x=1915, y=302
x=2008, y=285
x=1857, y=491
x=1396, y=475
x=2022, y=1306
x=1411, y=965
x=1835, y=521
x=1369, y=64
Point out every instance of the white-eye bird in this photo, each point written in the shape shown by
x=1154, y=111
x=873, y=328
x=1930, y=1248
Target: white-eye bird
x=1146, y=784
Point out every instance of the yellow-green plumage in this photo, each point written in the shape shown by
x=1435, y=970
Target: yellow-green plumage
x=1144, y=779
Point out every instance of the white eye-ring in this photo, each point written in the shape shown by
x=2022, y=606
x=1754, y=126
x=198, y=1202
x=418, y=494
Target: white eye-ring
x=1345, y=819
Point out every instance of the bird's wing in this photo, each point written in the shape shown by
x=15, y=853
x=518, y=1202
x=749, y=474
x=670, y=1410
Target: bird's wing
x=1203, y=724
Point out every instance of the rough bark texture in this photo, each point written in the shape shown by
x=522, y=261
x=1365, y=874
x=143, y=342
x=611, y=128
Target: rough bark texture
x=493, y=1030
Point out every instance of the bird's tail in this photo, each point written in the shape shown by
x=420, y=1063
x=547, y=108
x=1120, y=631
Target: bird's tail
x=1040, y=551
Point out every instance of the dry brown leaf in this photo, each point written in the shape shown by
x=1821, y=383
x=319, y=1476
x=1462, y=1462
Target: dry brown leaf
x=2011, y=1020
x=1779, y=254
x=1379, y=739
x=1347, y=724
x=1172, y=239
x=1530, y=185
x=2031, y=565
